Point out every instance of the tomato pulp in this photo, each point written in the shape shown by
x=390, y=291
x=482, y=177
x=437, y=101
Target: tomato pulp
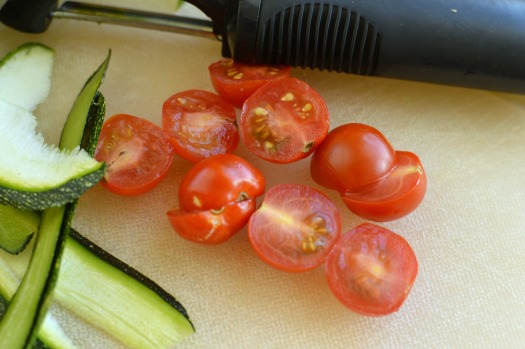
x=294, y=228
x=235, y=82
x=137, y=154
x=371, y=270
x=284, y=121
x=200, y=124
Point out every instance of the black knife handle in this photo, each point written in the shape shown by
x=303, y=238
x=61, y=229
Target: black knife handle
x=474, y=43
x=30, y=16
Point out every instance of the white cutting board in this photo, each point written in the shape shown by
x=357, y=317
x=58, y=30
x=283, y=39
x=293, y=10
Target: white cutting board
x=468, y=233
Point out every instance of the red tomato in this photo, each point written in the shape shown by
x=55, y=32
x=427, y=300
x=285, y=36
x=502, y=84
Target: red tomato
x=137, y=154
x=235, y=82
x=375, y=181
x=394, y=196
x=284, y=121
x=200, y=124
x=218, y=181
x=371, y=270
x=211, y=227
x=294, y=228
x=216, y=199
x=351, y=157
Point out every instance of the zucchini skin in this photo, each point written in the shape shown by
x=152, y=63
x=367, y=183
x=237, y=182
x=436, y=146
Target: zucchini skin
x=130, y=271
x=38, y=201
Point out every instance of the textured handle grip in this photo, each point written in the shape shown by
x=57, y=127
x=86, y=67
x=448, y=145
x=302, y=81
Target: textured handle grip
x=323, y=36
x=473, y=43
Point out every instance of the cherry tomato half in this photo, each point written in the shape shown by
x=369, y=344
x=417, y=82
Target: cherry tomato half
x=351, y=157
x=394, y=196
x=235, y=82
x=371, y=270
x=211, y=227
x=375, y=181
x=216, y=199
x=284, y=121
x=218, y=181
x=200, y=124
x=137, y=154
x=294, y=228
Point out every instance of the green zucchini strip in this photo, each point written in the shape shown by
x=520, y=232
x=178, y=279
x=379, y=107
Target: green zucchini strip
x=20, y=324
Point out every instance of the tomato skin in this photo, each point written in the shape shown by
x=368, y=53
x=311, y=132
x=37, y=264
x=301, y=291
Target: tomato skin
x=375, y=181
x=284, y=121
x=137, y=152
x=352, y=156
x=218, y=181
x=212, y=227
x=294, y=228
x=235, y=82
x=371, y=270
x=394, y=196
x=200, y=124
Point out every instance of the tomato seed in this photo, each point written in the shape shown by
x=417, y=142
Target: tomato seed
x=288, y=97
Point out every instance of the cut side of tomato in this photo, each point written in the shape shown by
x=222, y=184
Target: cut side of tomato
x=394, y=196
x=371, y=270
x=294, y=228
x=211, y=227
x=352, y=156
x=200, y=124
x=235, y=82
x=284, y=121
x=137, y=154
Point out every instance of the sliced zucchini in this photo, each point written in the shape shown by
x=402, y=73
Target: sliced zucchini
x=50, y=335
x=27, y=309
x=107, y=293
x=16, y=228
x=33, y=175
x=25, y=75
x=111, y=295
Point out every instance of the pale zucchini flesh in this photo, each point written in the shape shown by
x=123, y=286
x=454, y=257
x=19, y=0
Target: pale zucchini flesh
x=34, y=175
x=25, y=75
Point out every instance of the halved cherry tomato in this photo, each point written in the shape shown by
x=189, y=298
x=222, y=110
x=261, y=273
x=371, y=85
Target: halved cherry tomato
x=211, y=227
x=351, y=157
x=294, y=228
x=375, y=181
x=284, y=121
x=137, y=154
x=371, y=270
x=200, y=124
x=216, y=199
x=235, y=82
x=394, y=196
x=218, y=181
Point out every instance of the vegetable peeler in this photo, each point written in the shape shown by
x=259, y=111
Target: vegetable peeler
x=469, y=43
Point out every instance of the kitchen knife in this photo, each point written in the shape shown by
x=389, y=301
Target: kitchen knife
x=470, y=43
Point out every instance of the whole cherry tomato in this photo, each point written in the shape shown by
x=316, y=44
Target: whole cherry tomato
x=284, y=121
x=137, y=153
x=200, y=124
x=235, y=82
x=294, y=228
x=371, y=270
x=216, y=199
x=375, y=181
